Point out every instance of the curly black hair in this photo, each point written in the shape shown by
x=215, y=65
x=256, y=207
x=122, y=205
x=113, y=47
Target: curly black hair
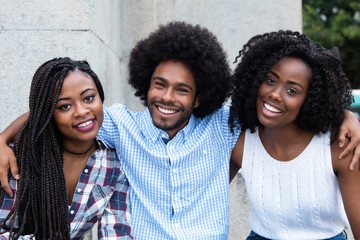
x=197, y=48
x=329, y=89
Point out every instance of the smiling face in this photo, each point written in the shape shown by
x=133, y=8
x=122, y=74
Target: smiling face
x=172, y=96
x=78, y=113
x=283, y=92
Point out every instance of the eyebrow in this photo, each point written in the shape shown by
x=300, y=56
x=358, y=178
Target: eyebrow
x=83, y=92
x=290, y=82
x=179, y=84
x=277, y=76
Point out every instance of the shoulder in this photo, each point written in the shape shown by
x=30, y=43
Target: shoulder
x=105, y=150
x=116, y=109
x=219, y=121
x=222, y=112
x=120, y=114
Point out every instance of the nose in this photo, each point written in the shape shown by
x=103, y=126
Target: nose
x=275, y=94
x=80, y=110
x=169, y=95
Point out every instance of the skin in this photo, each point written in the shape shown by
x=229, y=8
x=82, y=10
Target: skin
x=172, y=96
x=350, y=128
x=284, y=90
x=78, y=113
x=349, y=187
x=281, y=97
x=78, y=116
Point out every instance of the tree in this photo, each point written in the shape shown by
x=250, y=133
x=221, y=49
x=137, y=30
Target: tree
x=336, y=23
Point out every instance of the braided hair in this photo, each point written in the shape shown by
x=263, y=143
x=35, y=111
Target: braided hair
x=329, y=88
x=41, y=204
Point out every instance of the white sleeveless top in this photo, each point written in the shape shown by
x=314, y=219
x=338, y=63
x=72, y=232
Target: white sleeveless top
x=297, y=199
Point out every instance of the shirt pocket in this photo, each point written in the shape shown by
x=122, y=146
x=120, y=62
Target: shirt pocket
x=99, y=198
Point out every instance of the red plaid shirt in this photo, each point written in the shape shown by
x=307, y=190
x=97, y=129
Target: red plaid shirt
x=101, y=195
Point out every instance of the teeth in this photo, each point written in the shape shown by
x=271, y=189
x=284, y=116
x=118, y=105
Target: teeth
x=166, y=111
x=84, y=124
x=271, y=108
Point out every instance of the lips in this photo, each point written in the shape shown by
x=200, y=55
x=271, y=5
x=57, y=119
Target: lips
x=271, y=108
x=85, y=125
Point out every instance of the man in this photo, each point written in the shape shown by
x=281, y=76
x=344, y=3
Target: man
x=176, y=153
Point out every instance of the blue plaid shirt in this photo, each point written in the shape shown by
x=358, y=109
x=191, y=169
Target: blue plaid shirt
x=178, y=190
x=101, y=195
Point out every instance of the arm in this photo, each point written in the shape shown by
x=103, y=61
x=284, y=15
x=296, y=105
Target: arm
x=234, y=169
x=115, y=221
x=350, y=128
x=236, y=156
x=349, y=187
x=7, y=156
x=109, y=132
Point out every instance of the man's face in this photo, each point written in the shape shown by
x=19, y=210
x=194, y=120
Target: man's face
x=172, y=96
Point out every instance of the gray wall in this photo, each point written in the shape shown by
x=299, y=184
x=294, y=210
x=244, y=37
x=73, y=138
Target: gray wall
x=104, y=31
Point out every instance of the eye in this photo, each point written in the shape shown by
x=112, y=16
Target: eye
x=159, y=84
x=64, y=107
x=183, y=90
x=270, y=81
x=89, y=98
x=292, y=91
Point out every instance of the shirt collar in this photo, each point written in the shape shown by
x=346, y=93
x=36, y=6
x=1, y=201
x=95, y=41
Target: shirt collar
x=101, y=144
x=153, y=133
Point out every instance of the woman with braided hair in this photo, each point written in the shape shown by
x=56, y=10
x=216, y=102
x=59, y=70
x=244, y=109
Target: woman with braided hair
x=289, y=98
x=69, y=180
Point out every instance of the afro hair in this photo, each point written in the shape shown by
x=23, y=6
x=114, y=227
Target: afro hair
x=197, y=48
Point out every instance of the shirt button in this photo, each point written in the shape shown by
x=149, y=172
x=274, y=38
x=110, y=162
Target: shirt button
x=174, y=170
x=205, y=152
x=79, y=190
x=176, y=198
x=177, y=225
x=86, y=170
x=72, y=212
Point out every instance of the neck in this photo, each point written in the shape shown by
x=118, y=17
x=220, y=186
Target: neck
x=81, y=150
x=284, y=134
x=284, y=144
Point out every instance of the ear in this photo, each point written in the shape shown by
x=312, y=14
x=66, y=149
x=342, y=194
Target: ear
x=197, y=101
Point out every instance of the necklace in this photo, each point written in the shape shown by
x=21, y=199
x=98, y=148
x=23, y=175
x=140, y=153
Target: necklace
x=79, y=153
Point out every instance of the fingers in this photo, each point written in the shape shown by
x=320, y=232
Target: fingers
x=5, y=182
x=349, y=149
x=14, y=168
x=355, y=158
x=8, y=160
x=343, y=133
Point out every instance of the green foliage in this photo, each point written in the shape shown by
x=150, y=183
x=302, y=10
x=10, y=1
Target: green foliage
x=336, y=23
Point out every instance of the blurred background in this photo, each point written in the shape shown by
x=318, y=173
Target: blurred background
x=104, y=31
x=337, y=23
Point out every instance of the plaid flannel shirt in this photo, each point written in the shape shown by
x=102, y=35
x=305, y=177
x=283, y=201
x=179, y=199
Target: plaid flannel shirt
x=178, y=190
x=101, y=195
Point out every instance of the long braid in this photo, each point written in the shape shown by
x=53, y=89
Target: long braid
x=41, y=205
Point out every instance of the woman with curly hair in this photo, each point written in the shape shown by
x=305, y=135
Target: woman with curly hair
x=69, y=180
x=289, y=98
